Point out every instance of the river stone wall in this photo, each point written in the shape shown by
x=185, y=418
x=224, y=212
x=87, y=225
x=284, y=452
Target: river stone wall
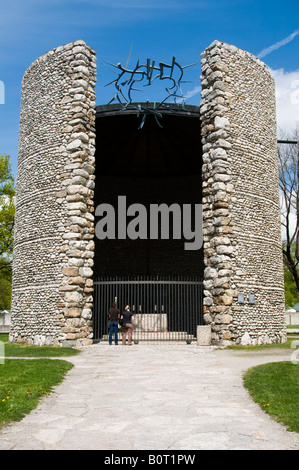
x=52, y=297
x=244, y=290
x=54, y=223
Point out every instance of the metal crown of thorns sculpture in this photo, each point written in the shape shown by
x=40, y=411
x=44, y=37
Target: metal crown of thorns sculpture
x=146, y=73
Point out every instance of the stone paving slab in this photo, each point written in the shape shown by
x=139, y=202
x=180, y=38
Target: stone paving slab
x=152, y=397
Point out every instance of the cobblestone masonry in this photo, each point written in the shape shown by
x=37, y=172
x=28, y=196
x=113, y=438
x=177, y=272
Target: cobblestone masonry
x=242, y=237
x=53, y=251
x=54, y=229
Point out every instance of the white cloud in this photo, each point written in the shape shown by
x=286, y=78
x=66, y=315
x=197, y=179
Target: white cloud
x=192, y=92
x=278, y=44
x=287, y=99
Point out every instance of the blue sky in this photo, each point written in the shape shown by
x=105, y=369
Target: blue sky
x=156, y=29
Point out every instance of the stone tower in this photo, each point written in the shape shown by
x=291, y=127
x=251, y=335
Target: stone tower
x=53, y=250
x=52, y=301
x=244, y=289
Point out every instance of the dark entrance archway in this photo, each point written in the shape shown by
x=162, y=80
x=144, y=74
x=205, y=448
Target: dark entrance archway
x=152, y=165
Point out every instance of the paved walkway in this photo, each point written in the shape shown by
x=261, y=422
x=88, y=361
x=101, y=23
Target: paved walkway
x=153, y=397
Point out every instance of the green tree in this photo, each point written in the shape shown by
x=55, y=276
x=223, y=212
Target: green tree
x=7, y=210
x=290, y=289
x=5, y=285
x=288, y=155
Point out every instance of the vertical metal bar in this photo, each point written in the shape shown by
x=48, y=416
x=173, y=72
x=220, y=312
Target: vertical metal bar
x=157, y=306
x=174, y=310
x=165, y=311
x=148, y=310
x=195, y=309
x=168, y=309
x=181, y=311
x=94, y=316
x=100, y=310
x=186, y=294
x=138, y=294
x=201, y=296
x=118, y=294
x=161, y=296
x=105, y=308
x=199, y=301
x=187, y=306
x=100, y=313
x=95, y=311
x=183, y=317
x=189, y=313
x=181, y=290
x=196, y=319
x=186, y=286
x=191, y=307
x=198, y=305
x=178, y=286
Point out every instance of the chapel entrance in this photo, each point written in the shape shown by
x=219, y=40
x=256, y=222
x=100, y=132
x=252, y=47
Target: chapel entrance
x=159, y=163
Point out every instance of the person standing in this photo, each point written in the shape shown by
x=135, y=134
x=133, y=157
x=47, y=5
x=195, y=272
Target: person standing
x=113, y=316
x=128, y=320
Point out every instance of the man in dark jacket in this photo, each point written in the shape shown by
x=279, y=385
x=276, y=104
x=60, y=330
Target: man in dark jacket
x=113, y=316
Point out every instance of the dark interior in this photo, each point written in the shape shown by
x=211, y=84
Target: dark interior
x=149, y=165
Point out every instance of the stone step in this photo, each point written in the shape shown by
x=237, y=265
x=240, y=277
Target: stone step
x=157, y=336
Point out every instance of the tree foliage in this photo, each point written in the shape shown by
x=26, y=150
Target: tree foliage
x=290, y=290
x=5, y=285
x=288, y=155
x=7, y=210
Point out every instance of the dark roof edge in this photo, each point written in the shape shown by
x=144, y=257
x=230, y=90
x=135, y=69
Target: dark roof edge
x=177, y=109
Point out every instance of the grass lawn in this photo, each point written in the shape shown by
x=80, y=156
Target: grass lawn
x=275, y=387
x=286, y=345
x=23, y=382
x=25, y=350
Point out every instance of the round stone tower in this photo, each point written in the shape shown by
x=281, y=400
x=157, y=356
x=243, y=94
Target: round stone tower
x=53, y=246
x=243, y=280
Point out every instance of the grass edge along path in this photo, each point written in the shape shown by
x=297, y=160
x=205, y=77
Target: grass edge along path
x=25, y=350
x=274, y=387
x=24, y=382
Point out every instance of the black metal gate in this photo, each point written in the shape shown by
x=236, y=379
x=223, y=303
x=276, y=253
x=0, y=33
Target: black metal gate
x=165, y=309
